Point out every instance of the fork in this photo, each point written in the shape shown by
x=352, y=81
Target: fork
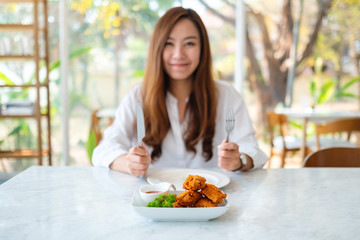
x=229, y=123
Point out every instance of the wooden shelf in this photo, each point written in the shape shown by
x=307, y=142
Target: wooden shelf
x=35, y=49
x=16, y=27
x=25, y=153
x=17, y=116
x=20, y=58
x=19, y=1
x=16, y=57
x=23, y=85
x=22, y=116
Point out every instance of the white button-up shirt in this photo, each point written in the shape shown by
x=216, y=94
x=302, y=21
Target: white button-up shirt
x=122, y=135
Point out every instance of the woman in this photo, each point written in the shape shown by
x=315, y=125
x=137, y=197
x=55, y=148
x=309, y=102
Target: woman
x=184, y=109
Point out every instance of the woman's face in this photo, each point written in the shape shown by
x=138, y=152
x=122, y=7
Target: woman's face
x=181, y=54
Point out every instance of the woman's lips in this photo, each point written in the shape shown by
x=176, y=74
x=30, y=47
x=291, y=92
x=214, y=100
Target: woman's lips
x=178, y=64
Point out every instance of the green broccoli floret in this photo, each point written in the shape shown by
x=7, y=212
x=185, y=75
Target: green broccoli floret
x=167, y=204
x=163, y=201
x=151, y=204
x=161, y=197
x=156, y=203
x=171, y=198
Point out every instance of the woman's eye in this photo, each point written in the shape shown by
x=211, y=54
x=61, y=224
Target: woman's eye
x=190, y=44
x=168, y=44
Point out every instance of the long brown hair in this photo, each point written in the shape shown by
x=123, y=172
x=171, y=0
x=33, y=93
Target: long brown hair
x=202, y=100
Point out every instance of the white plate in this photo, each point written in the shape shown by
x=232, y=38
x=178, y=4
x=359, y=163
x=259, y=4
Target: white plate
x=178, y=176
x=177, y=214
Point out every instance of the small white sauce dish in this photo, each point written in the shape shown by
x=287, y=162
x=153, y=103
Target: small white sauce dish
x=149, y=192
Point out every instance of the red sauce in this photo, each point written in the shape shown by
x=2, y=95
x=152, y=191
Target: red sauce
x=152, y=192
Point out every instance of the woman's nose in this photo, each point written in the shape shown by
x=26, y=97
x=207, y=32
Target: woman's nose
x=178, y=52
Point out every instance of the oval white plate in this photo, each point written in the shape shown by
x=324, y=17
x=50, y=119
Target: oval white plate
x=177, y=214
x=178, y=176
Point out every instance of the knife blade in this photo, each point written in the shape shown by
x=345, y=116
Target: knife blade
x=140, y=124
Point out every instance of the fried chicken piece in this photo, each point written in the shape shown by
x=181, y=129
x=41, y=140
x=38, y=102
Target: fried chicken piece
x=213, y=193
x=177, y=205
x=188, y=198
x=204, y=202
x=194, y=183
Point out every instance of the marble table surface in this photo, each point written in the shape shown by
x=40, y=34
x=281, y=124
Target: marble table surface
x=94, y=203
x=317, y=116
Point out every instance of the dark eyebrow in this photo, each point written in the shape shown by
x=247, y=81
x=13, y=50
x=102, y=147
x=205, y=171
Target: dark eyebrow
x=187, y=38
x=191, y=37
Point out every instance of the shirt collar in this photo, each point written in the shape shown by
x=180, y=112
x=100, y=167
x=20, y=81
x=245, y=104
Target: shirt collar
x=172, y=99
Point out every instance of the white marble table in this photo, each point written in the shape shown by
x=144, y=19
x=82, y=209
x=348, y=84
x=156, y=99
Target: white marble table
x=94, y=203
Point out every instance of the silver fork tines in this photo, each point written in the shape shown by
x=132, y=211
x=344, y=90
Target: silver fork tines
x=229, y=123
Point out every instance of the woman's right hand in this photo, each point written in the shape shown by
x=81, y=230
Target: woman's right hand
x=136, y=162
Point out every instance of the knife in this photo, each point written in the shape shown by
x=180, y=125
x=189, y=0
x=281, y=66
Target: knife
x=140, y=124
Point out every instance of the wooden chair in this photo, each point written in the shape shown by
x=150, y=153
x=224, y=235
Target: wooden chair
x=334, y=157
x=336, y=129
x=97, y=126
x=280, y=142
x=99, y=122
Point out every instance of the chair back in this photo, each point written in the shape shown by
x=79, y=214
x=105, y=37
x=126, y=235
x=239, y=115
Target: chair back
x=281, y=141
x=337, y=126
x=279, y=121
x=97, y=124
x=334, y=157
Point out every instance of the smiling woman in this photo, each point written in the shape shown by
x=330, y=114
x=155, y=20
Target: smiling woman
x=184, y=108
x=181, y=54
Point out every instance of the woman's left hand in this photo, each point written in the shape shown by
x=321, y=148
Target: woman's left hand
x=229, y=156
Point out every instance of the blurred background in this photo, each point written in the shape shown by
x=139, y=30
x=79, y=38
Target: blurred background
x=298, y=54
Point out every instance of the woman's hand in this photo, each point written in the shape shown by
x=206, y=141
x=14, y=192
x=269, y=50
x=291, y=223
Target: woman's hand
x=136, y=162
x=229, y=157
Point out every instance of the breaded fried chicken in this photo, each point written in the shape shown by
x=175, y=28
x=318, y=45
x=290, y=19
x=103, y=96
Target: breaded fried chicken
x=194, y=183
x=204, y=202
x=188, y=198
x=213, y=193
x=177, y=205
